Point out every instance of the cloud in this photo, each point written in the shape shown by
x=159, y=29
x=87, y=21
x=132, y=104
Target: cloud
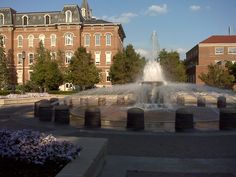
x=195, y=7
x=153, y=10
x=123, y=18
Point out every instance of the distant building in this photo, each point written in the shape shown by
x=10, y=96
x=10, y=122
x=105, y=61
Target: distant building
x=213, y=50
x=63, y=31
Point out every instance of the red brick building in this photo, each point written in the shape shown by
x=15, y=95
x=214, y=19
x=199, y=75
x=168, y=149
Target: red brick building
x=65, y=31
x=213, y=50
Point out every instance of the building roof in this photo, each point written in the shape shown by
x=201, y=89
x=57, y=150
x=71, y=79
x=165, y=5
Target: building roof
x=220, y=39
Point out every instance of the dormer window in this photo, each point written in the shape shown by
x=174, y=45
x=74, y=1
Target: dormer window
x=68, y=16
x=24, y=20
x=1, y=19
x=83, y=11
x=47, y=19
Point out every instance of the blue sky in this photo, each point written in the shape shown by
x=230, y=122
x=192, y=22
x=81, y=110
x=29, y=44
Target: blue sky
x=180, y=24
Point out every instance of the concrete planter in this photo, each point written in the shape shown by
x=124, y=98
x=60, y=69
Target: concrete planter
x=91, y=160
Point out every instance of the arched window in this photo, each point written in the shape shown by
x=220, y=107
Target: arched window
x=1, y=19
x=24, y=20
x=31, y=40
x=47, y=19
x=68, y=56
x=97, y=39
x=42, y=38
x=69, y=39
x=87, y=40
x=68, y=16
x=108, y=39
x=83, y=11
x=20, y=41
x=53, y=40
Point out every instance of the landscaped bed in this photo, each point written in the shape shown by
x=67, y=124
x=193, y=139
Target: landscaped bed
x=27, y=153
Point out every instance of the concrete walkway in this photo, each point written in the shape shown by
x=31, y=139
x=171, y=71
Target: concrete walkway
x=145, y=154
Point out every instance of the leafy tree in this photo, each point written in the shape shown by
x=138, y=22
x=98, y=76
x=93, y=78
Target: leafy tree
x=232, y=69
x=4, y=69
x=217, y=76
x=82, y=71
x=172, y=66
x=46, y=73
x=127, y=66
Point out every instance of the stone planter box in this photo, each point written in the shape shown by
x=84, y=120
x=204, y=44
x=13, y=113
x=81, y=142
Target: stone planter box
x=91, y=160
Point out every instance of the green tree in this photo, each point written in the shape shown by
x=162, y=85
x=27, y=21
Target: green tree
x=82, y=71
x=172, y=66
x=217, y=76
x=127, y=66
x=232, y=69
x=46, y=73
x=4, y=69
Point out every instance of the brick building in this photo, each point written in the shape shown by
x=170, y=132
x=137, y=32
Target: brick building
x=65, y=31
x=213, y=50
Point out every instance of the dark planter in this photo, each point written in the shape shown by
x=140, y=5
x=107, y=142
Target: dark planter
x=183, y=120
x=92, y=118
x=135, y=119
x=62, y=114
x=45, y=112
x=221, y=102
x=36, y=106
x=227, y=119
x=201, y=101
x=54, y=101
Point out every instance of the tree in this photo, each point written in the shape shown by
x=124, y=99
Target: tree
x=172, y=66
x=82, y=71
x=46, y=73
x=127, y=66
x=217, y=76
x=4, y=69
x=232, y=69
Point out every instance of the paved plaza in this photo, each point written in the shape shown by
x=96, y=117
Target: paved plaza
x=145, y=153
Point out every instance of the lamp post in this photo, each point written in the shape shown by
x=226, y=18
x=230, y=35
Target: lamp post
x=23, y=71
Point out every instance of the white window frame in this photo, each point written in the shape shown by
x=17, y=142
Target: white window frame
x=31, y=40
x=108, y=39
x=219, y=50
x=68, y=57
x=42, y=38
x=45, y=19
x=2, y=19
x=230, y=52
x=29, y=74
x=97, y=57
x=19, y=76
x=108, y=57
x=68, y=16
x=53, y=55
x=87, y=40
x=20, y=41
x=31, y=60
x=19, y=59
x=83, y=12
x=53, y=40
x=69, y=38
x=108, y=78
x=23, y=20
x=97, y=38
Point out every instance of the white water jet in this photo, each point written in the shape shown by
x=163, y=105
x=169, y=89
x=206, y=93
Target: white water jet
x=153, y=72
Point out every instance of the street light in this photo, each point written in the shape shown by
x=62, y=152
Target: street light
x=23, y=70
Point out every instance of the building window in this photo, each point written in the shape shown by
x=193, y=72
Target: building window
x=232, y=50
x=97, y=39
x=83, y=12
x=19, y=76
x=1, y=19
x=2, y=40
x=53, y=40
x=108, y=57
x=19, y=59
x=42, y=38
x=219, y=50
x=68, y=57
x=47, y=19
x=69, y=39
x=108, y=39
x=97, y=57
x=68, y=16
x=86, y=40
x=108, y=78
x=31, y=58
x=53, y=55
x=31, y=40
x=30, y=74
x=20, y=41
x=24, y=20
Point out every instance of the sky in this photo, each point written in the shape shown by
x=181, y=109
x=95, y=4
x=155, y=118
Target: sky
x=180, y=24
